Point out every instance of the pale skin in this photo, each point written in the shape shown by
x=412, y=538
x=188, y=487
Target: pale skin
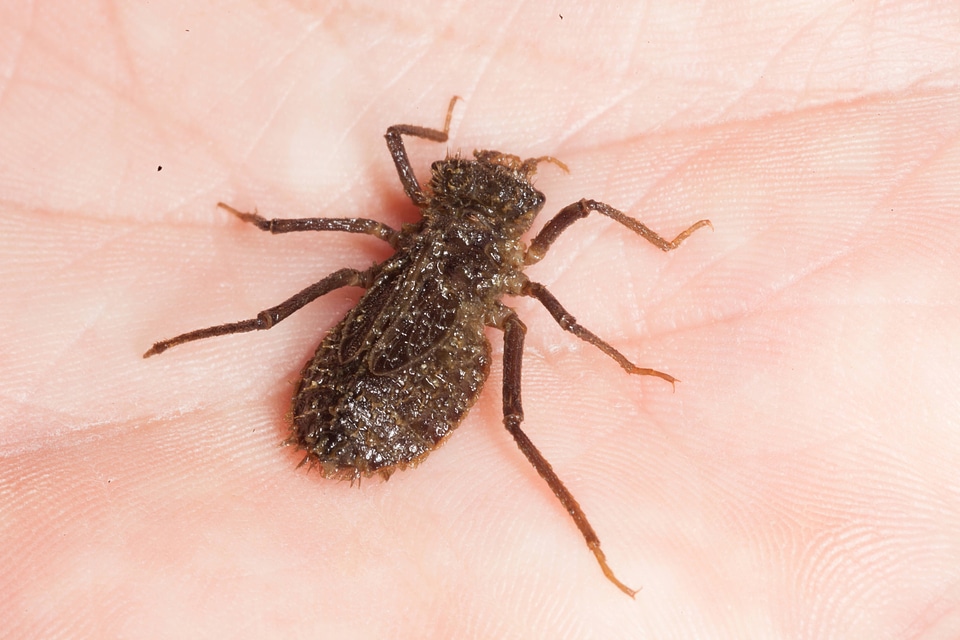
x=800, y=481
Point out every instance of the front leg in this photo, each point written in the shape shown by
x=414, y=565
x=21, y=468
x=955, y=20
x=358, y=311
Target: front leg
x=399, y=152
x=513, y=334
x=573, y=212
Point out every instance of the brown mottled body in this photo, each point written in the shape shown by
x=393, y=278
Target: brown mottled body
x=397, y=375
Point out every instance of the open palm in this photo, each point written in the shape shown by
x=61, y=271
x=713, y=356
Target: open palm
x=800, y=481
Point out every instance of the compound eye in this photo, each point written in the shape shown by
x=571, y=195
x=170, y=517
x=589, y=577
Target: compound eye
x=531, y=201
x=537, y=200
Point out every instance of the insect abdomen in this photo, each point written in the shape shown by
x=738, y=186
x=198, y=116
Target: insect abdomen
x=352, y=421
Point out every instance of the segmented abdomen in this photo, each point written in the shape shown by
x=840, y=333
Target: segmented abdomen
x=352, y=421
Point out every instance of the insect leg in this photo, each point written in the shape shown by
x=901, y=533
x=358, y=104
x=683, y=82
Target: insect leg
x=513, y=334
x=573, y=212
x=267, y=318
x=286, y=225
x=395, y=144
x=568, y=323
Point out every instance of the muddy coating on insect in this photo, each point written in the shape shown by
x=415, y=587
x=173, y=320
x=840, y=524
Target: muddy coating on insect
x=397, y=375
x=392, y=380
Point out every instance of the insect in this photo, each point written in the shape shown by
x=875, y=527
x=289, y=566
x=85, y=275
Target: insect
x=397, y=375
